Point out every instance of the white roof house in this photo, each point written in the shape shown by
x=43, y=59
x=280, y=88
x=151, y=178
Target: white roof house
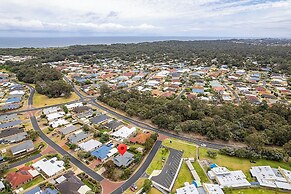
x=84, y=189
x=226, y=178
x=90, y=145
x=21, y=92
x=49, y=167
x=124, y=132
x=212, y=188
x=50, y=110
x=77, y=104
x=187, y=189
x=58, y=123
x=112, y=152
x=272, y=177
x=56, y=115
x=152, y=83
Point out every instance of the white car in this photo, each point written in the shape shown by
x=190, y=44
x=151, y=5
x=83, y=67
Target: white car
x=203, y=145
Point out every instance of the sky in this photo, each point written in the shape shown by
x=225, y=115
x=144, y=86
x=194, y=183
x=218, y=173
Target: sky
x=192, y=18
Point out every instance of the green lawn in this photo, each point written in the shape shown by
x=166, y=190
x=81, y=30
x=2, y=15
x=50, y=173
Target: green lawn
x=157, y=162
x=255, y=191
x=200, y=172
x=154, y=191
x=188, y=148
x=183, y=176
x=40, y=100
x=234, y=163
x=33, y=182
x=139, y=185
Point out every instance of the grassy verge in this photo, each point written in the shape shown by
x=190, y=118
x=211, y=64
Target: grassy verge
x=183, y=176
x=33, y=182
x=40, y=100
x=188, y=148
x=157, y=162
x=255, y=191
x=154, y=191
x=139, y=185
x=234, y=163
x=200, y=172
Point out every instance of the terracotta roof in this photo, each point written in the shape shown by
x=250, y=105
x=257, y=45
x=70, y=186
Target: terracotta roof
x=20, y=177
x=140, y=138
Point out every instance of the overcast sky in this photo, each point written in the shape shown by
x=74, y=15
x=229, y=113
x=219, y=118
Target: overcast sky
x=215, y=18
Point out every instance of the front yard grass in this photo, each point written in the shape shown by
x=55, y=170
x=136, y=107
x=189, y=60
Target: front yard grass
x=200, y=172
x=188, y=148
x=139, y=184
x=255, y=191
x=33, y=182
x=183, y=176
x=40, y=100
x=157, y=162
x=235, y=163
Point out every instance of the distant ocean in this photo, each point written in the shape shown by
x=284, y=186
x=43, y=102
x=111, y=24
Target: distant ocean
x=42, y=42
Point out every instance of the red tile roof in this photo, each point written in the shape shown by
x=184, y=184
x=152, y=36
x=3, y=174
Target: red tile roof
x=140, y=138
x=20, y=177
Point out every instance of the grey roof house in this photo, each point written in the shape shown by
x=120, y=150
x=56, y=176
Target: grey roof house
x=77, y=137
x=113, y=124
x=124, y=160
x=15, y=138
x=10, y=124
x=5, y=118
x=68, y=129
x=10, y=132
x=99, y=119
x=23, y=147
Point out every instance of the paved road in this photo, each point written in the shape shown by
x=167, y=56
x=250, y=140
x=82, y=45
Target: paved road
x=30, y=98
x=24, y=161
x=140, y=171
x=148, y=127
x=233, y=92
x=75, y=161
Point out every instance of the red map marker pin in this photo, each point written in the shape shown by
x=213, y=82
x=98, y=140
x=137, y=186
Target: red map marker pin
x=122, y=148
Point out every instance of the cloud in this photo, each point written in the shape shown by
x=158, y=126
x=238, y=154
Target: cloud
x=148, y=17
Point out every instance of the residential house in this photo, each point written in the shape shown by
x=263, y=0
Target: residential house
x=140, y=138
x=10, y=124
x=20, y=177
x=77, y=137
x=7, y=118
x=50, y=110
x=26, y=146
x=113, y=124
x=58, y=123
x=72, y=184
x=68, y=129
x=123, y=160
x=123, y=133
x=90, y=145
x=49, y=167
x=99, y=119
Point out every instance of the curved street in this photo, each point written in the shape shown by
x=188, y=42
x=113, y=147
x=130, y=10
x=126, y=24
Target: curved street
x=140, y=124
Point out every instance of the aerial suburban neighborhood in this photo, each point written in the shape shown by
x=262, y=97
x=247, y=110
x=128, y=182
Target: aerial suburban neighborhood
x=61, y=131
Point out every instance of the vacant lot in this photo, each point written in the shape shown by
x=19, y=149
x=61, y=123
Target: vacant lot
x=40, y=100
x=188, y=148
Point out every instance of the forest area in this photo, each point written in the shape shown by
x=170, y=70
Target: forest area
x=257, y=126
x=272, y=52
